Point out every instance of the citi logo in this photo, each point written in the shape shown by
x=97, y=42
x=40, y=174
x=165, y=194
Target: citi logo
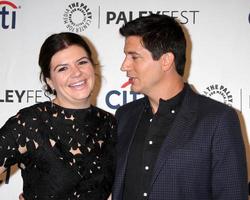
x=116, y=98
x=8, y=15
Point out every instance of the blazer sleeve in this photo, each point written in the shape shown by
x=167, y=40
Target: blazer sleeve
x=229, y=169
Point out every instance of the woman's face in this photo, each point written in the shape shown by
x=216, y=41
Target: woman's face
x=72, y=76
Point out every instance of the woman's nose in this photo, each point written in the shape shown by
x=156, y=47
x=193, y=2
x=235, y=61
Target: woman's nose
x=76, y=70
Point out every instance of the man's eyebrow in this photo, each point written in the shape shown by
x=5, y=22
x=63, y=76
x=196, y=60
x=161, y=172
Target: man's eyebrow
x=132, y=52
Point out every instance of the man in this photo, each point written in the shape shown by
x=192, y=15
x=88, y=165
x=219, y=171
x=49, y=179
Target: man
x=173, y=144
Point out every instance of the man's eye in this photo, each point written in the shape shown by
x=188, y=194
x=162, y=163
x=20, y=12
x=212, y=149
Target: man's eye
x=134, y=57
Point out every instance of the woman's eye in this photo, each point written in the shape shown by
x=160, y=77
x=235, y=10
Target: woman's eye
x=82, y=62
x=61, y=69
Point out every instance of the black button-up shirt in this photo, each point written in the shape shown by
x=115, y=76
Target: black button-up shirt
x=150, y=133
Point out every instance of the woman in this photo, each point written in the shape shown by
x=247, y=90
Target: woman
x=64, y=147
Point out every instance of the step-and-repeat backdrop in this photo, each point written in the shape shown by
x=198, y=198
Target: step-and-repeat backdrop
x=218, y=52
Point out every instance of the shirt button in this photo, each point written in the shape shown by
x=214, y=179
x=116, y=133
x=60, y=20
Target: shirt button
x=145, y=194
x=150, y=142
x=146, y=167
x=151, y=120
x=172, y=111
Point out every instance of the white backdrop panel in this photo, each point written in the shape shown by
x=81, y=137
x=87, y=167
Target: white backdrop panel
x=218, y=51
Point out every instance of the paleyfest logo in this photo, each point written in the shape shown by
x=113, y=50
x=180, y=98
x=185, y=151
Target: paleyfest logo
x=21, y=96
x=184, y=16
x=77, y=17
x=219, y=93
x=8, y=14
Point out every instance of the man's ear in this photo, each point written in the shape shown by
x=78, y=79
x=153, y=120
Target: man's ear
x=167, y=61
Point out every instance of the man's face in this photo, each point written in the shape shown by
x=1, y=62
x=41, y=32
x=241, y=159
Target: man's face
x=145, y=74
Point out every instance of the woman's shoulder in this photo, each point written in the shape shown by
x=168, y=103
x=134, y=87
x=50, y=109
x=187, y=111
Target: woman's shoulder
x=30, y=112
x=104, y=115
x=24, y=119
x=35, y=107
x=102, y=112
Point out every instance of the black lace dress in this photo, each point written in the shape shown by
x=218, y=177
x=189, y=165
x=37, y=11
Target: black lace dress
x=69, y=153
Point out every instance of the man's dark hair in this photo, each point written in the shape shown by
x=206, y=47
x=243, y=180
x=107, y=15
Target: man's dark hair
x=160, y=34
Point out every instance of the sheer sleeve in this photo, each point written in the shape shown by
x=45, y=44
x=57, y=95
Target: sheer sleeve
x=17, y=136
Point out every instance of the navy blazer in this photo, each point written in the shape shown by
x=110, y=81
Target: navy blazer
x=202, y=157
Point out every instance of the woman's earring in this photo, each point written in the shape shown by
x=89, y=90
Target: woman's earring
x=51, y=100
x=54, y=92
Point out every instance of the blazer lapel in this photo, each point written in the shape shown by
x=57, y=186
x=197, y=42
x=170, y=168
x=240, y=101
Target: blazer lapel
x=180, y=131
x=128, y=124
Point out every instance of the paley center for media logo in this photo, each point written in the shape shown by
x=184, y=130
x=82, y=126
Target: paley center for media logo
x=219, y=93
x=8, y=14
x=77, y=17
x=116, y=98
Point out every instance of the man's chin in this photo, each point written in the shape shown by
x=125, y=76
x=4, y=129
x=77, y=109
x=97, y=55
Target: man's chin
x=134, y=89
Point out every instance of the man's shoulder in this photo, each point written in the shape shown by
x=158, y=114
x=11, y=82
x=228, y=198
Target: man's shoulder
x=205, y=101
x=212, y=103
x=130, y=108
x=132, y=105
x=207, y=105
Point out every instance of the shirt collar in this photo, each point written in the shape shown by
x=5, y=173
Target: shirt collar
x=168, y=106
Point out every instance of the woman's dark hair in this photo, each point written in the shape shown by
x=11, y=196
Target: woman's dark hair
x=160, y=34
x=51, y=46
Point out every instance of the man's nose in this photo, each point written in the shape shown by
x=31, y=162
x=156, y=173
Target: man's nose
x=125, y=65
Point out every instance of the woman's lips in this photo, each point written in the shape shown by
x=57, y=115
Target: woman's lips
x=78, y=84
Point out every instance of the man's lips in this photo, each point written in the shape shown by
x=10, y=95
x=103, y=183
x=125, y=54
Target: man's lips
x=127, y=83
